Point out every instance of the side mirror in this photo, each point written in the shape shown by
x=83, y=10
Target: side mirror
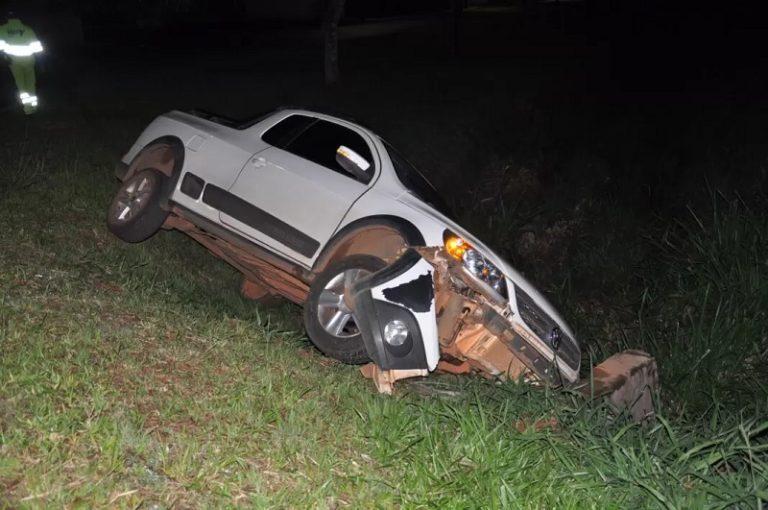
x=353, y=163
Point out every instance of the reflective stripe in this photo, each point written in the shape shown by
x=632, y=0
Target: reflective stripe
x=21, y=50
x=27, y=99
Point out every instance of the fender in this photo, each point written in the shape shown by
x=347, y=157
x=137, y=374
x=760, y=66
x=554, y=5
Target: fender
x=164, y=154
x=350, y=239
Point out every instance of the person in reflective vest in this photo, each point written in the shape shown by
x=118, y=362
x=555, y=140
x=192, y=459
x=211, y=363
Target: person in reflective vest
x=20, y=45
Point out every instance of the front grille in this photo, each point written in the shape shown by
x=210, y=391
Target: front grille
x=542, y=324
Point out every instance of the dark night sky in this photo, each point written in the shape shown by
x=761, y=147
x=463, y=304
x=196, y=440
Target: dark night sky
x=661, y=45
x=559, y=77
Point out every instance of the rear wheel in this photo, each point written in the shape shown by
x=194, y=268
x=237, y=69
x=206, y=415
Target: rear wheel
x=328, y=318
x=135, y=213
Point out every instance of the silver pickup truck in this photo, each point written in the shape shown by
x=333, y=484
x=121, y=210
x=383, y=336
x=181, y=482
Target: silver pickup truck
x=325, y=213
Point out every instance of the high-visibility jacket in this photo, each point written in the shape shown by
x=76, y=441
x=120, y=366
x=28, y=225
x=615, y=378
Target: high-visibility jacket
x=18, y=40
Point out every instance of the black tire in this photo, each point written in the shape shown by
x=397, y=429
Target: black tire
x=348, y=348
x=141, y=196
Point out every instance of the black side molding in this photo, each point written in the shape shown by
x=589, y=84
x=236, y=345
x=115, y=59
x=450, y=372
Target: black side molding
x=192, y=185
x=260, y=220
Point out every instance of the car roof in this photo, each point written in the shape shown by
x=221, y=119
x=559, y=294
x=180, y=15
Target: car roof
x=324, y=113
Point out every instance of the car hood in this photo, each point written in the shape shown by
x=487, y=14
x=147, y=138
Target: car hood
x=510, y=272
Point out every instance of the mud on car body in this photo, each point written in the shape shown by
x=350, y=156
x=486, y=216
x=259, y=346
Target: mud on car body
x=322, y=211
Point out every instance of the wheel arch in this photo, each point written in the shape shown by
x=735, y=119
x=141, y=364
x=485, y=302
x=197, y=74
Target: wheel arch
x=165, y=155
x=383, y=236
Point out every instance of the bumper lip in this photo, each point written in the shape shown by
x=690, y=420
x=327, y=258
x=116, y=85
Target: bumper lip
x=527, y=347
x=374, y=314
x=374, y=309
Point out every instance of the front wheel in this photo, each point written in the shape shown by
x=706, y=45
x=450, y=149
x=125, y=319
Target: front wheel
x=135, y=213
x=328, y=318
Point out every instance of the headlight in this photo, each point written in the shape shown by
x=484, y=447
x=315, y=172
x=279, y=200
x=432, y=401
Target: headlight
x=475, y=263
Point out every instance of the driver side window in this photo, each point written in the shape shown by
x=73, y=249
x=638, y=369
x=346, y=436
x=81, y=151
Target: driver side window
x=318, y=142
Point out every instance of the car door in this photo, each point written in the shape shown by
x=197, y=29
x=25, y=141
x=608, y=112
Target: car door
x=211, y=163
x=293, y=195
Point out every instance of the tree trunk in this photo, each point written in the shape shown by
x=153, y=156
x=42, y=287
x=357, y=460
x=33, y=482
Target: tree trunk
x=333, y=12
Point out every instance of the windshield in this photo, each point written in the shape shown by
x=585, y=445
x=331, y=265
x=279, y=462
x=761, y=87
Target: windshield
x=416, y=183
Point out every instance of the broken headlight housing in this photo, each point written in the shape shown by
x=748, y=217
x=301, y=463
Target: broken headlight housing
x=476, y=265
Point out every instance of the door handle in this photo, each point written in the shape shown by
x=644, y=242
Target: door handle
x=259, y=162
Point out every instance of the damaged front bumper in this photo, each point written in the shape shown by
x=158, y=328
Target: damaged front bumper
x=425, y=312
x=395, y=312
x=453, y=324
x=440, y=318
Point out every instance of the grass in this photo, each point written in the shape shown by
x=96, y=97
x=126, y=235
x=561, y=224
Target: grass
x=136, y=376
x=706, y=313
